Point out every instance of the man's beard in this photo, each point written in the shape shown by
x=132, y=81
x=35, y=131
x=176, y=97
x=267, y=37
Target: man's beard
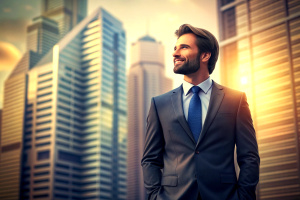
x=188, y=67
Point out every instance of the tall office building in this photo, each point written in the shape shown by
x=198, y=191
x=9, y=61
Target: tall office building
x=41, y=36
x=67, y=13
x=260, y=48
x=64, y=130
x=76, y=116
x=146, y=79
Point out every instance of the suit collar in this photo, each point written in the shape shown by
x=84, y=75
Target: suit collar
x=205, y=86
x=178, y=109
x=216, y=98
x=217, y=95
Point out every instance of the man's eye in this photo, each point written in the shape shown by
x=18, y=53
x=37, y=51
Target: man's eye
x=184, y=47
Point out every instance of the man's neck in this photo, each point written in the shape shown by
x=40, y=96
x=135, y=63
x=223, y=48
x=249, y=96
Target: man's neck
x=196, y=79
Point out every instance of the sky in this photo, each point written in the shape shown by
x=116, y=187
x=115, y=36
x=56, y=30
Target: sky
x=158, y=18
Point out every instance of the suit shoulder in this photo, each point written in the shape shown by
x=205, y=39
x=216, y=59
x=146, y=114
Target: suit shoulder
x=234, y=91
x=231, y=94
x=167, y=95
x=229, y=90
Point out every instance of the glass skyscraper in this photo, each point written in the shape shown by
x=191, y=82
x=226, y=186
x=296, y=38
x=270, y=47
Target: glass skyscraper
x=260, y=54
x=41, y=36
x=72, y=132
x=67, y=13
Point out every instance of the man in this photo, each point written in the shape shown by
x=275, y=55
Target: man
x=192, y=131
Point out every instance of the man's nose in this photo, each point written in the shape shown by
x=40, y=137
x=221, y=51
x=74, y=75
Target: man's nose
x=176, y=53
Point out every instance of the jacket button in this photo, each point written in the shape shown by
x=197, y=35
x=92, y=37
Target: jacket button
x=197, y=152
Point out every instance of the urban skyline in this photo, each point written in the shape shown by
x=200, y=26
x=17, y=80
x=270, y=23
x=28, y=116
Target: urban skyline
x=64, y=127
x=159, y=18
x=246, y=42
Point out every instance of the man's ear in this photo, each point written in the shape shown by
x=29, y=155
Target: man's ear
x=205, y=56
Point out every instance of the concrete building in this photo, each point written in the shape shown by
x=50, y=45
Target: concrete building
x=260, y=46
x=64, y=120
x=146, y=79
x=41, y=35
x=67, y=13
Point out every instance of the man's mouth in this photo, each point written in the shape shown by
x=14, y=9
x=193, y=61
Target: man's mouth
x=178, y=61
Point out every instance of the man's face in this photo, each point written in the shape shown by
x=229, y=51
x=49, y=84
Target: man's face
x=186, y=55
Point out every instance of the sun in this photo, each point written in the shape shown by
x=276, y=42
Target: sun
x=9, y=56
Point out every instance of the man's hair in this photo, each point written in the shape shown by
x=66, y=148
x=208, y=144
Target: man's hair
x=206, y=42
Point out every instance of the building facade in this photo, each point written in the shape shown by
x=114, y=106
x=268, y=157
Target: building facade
x=146, y=79
x=260, y=48
x=67, y=13
x=41, y=36
x=65, y=115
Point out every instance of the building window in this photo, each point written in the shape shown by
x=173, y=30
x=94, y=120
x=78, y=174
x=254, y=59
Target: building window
x=42, y=166
x=11, y=147
x=41, y=173
x=41, y=75
x=44, y=81
x=40, y=196
x=69, y=157
x=42, y=181
x=41, y=116
x=229, y=23
x=43, y=155
x=42, y=144
x=224, y=2
x=41, y=188
x=42, y=137
x=61, y=196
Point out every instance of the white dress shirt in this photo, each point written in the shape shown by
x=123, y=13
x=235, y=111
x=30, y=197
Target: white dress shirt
x=204, y=95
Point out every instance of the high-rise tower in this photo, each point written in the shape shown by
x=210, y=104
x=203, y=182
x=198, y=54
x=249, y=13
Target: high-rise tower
x=260, y=49
x=41, y=36
x=146, y=79
x=67, y=13
x=75, y=142
x=64, y=126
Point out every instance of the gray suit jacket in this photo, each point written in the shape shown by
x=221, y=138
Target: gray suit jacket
x=175, y=166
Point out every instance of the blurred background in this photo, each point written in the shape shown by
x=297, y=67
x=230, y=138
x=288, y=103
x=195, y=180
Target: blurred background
x=77, y=76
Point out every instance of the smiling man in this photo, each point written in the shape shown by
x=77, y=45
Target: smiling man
x=192, y=131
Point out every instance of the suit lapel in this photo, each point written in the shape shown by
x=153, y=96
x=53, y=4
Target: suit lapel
x=216, y=98
x=177, y=106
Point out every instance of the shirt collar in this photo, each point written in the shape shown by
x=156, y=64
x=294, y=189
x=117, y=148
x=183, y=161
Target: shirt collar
x=205, y=86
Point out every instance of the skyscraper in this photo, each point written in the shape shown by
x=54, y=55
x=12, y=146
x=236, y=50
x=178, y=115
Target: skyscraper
x=41, y=36
x=146, y=79
x=260, y=48
x=65, y=134
x=67, y=13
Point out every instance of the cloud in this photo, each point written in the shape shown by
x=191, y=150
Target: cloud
x=9, y=56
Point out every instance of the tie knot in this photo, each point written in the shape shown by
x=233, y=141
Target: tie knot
x=195, y=89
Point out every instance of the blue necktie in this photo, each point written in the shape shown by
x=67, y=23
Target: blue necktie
x=195, y=113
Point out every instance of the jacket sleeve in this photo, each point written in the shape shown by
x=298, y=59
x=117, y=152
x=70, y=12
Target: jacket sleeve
x=247, y=152
x=152, y=161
